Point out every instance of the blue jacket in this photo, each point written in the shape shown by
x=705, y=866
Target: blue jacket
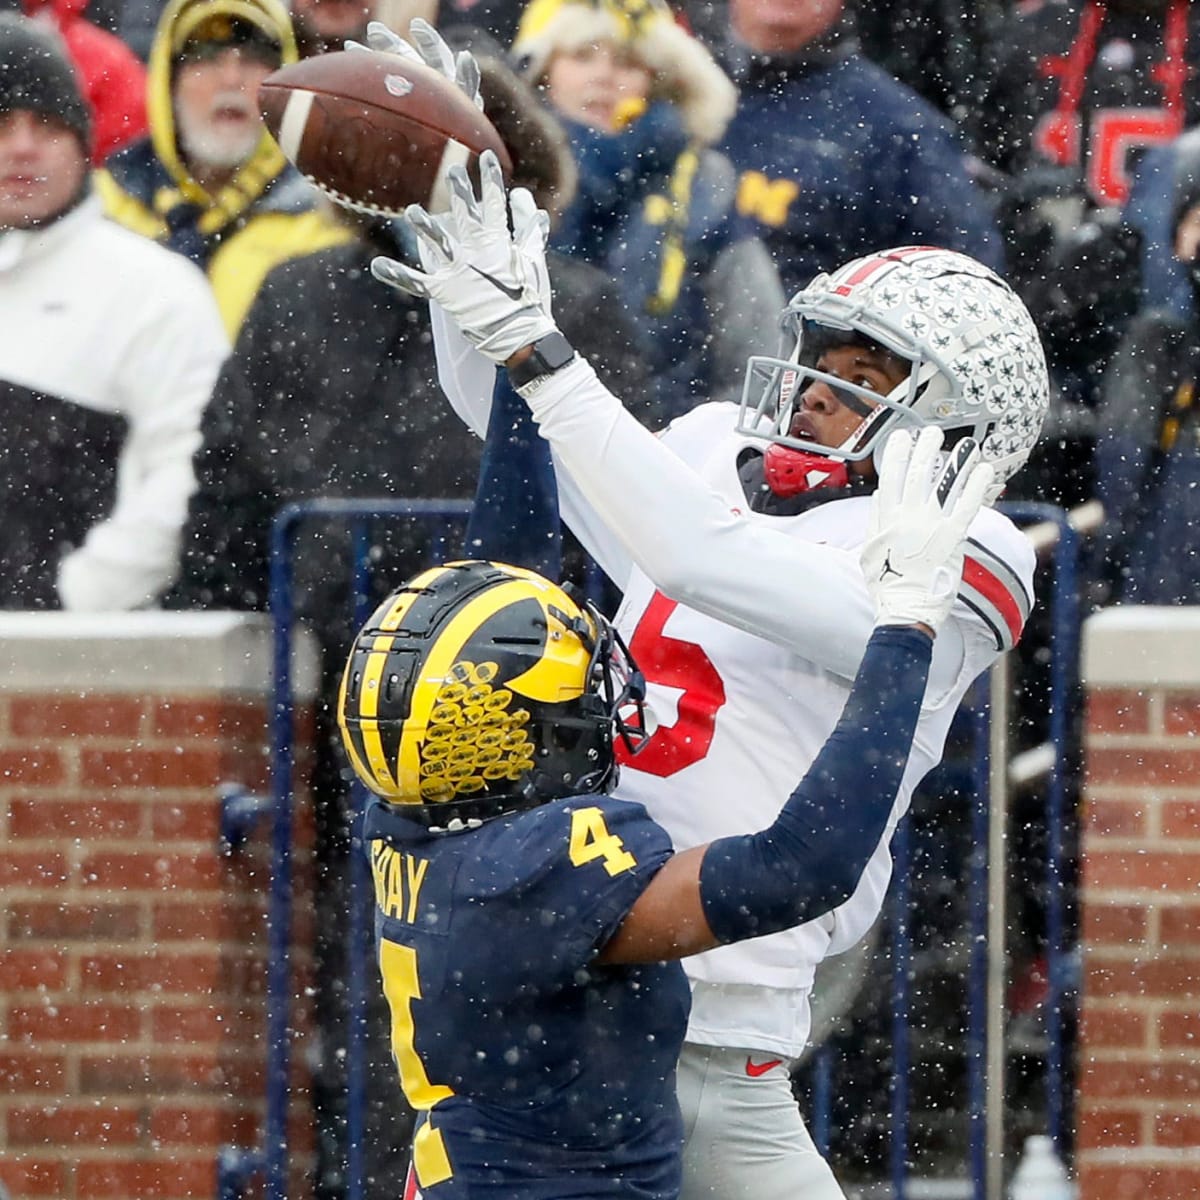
x=1151, y=211
x=655, y=212
x=836, y=159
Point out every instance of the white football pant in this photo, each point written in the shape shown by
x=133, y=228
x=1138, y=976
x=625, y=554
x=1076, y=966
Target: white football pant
x=744, y=1136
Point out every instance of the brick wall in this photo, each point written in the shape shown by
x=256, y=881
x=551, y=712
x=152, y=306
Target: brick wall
x=1138, y=1126
x=132, y=951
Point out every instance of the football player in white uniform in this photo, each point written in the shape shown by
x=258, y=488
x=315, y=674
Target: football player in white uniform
x=734, y=536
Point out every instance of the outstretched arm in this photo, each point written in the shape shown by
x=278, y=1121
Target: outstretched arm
x=466, y=378
x=677, y=528
x=515, y=516
x=810, y=860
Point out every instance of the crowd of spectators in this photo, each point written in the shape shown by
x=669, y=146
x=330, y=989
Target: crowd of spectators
x=722, y=158
x=1047, y=138
x=185, y=318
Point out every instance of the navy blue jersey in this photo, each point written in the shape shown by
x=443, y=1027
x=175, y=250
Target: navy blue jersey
x=536, y=1073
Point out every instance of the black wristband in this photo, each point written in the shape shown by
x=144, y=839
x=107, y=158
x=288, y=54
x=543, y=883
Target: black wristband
x=549, y=353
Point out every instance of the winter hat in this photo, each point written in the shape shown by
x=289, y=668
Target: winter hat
x=684, y=72
x=37, y=76
x=229, y=23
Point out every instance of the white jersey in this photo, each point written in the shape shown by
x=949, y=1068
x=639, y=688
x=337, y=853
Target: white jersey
x=750, y=629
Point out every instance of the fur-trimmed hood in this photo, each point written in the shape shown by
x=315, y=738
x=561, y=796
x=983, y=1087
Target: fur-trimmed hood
x=685, y=73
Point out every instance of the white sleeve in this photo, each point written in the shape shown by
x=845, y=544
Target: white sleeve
x=167, y=376
x=690, y=543
x=466, y=377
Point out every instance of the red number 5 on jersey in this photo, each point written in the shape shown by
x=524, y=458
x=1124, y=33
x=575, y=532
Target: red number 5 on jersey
x=675, y=663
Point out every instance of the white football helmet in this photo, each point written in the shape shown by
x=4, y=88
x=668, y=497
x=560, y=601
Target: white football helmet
x=977, y=361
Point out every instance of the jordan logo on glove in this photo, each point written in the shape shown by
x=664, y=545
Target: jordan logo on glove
x=920, y=513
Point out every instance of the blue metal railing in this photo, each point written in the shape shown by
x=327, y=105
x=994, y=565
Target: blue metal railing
x=979, y=871
x=1065, y=624
x=236, y=1166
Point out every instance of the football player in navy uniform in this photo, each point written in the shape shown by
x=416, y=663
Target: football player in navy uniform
x=527, y=922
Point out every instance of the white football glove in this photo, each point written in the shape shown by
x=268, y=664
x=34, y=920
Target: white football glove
x=491, y=282
x=920, y=513
x=428, y=48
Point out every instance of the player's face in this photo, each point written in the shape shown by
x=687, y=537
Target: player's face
x=42, y=166
x=824, y=415
x=592, y=84
x=216, y=103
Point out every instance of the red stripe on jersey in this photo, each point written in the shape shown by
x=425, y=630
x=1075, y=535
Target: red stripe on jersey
x=410, y=1186
x=976, y=575
x=875, y=264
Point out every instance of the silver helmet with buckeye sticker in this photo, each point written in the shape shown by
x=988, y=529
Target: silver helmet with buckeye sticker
x=977, y=361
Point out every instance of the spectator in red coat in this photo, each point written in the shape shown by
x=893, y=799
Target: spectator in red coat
x=112, y=76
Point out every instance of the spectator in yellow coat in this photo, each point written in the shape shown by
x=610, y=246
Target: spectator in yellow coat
x=209, y=181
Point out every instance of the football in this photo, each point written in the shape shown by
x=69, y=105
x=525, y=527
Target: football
x=374, y=131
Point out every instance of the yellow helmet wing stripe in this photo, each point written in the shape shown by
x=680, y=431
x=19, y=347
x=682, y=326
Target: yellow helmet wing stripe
x=556, y=676
x=368, y=693
x=544, y=681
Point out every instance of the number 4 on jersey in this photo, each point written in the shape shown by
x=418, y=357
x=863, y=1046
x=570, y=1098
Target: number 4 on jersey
x=590, y=840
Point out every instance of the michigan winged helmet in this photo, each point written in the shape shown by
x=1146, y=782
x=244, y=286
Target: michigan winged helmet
x=478, y=689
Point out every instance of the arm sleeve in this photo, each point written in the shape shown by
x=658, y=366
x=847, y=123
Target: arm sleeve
x=515, y=515
x=226, y=543
x=1138, y=381
x=226, y=547
x=810, y=860
x=467, y=379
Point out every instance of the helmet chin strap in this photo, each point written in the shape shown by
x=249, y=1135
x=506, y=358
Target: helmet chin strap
x=789, y=472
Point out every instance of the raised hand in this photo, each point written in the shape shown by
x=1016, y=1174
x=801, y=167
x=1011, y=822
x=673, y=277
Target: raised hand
x=429, y=48
x=491, y=282
x=920, y=513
